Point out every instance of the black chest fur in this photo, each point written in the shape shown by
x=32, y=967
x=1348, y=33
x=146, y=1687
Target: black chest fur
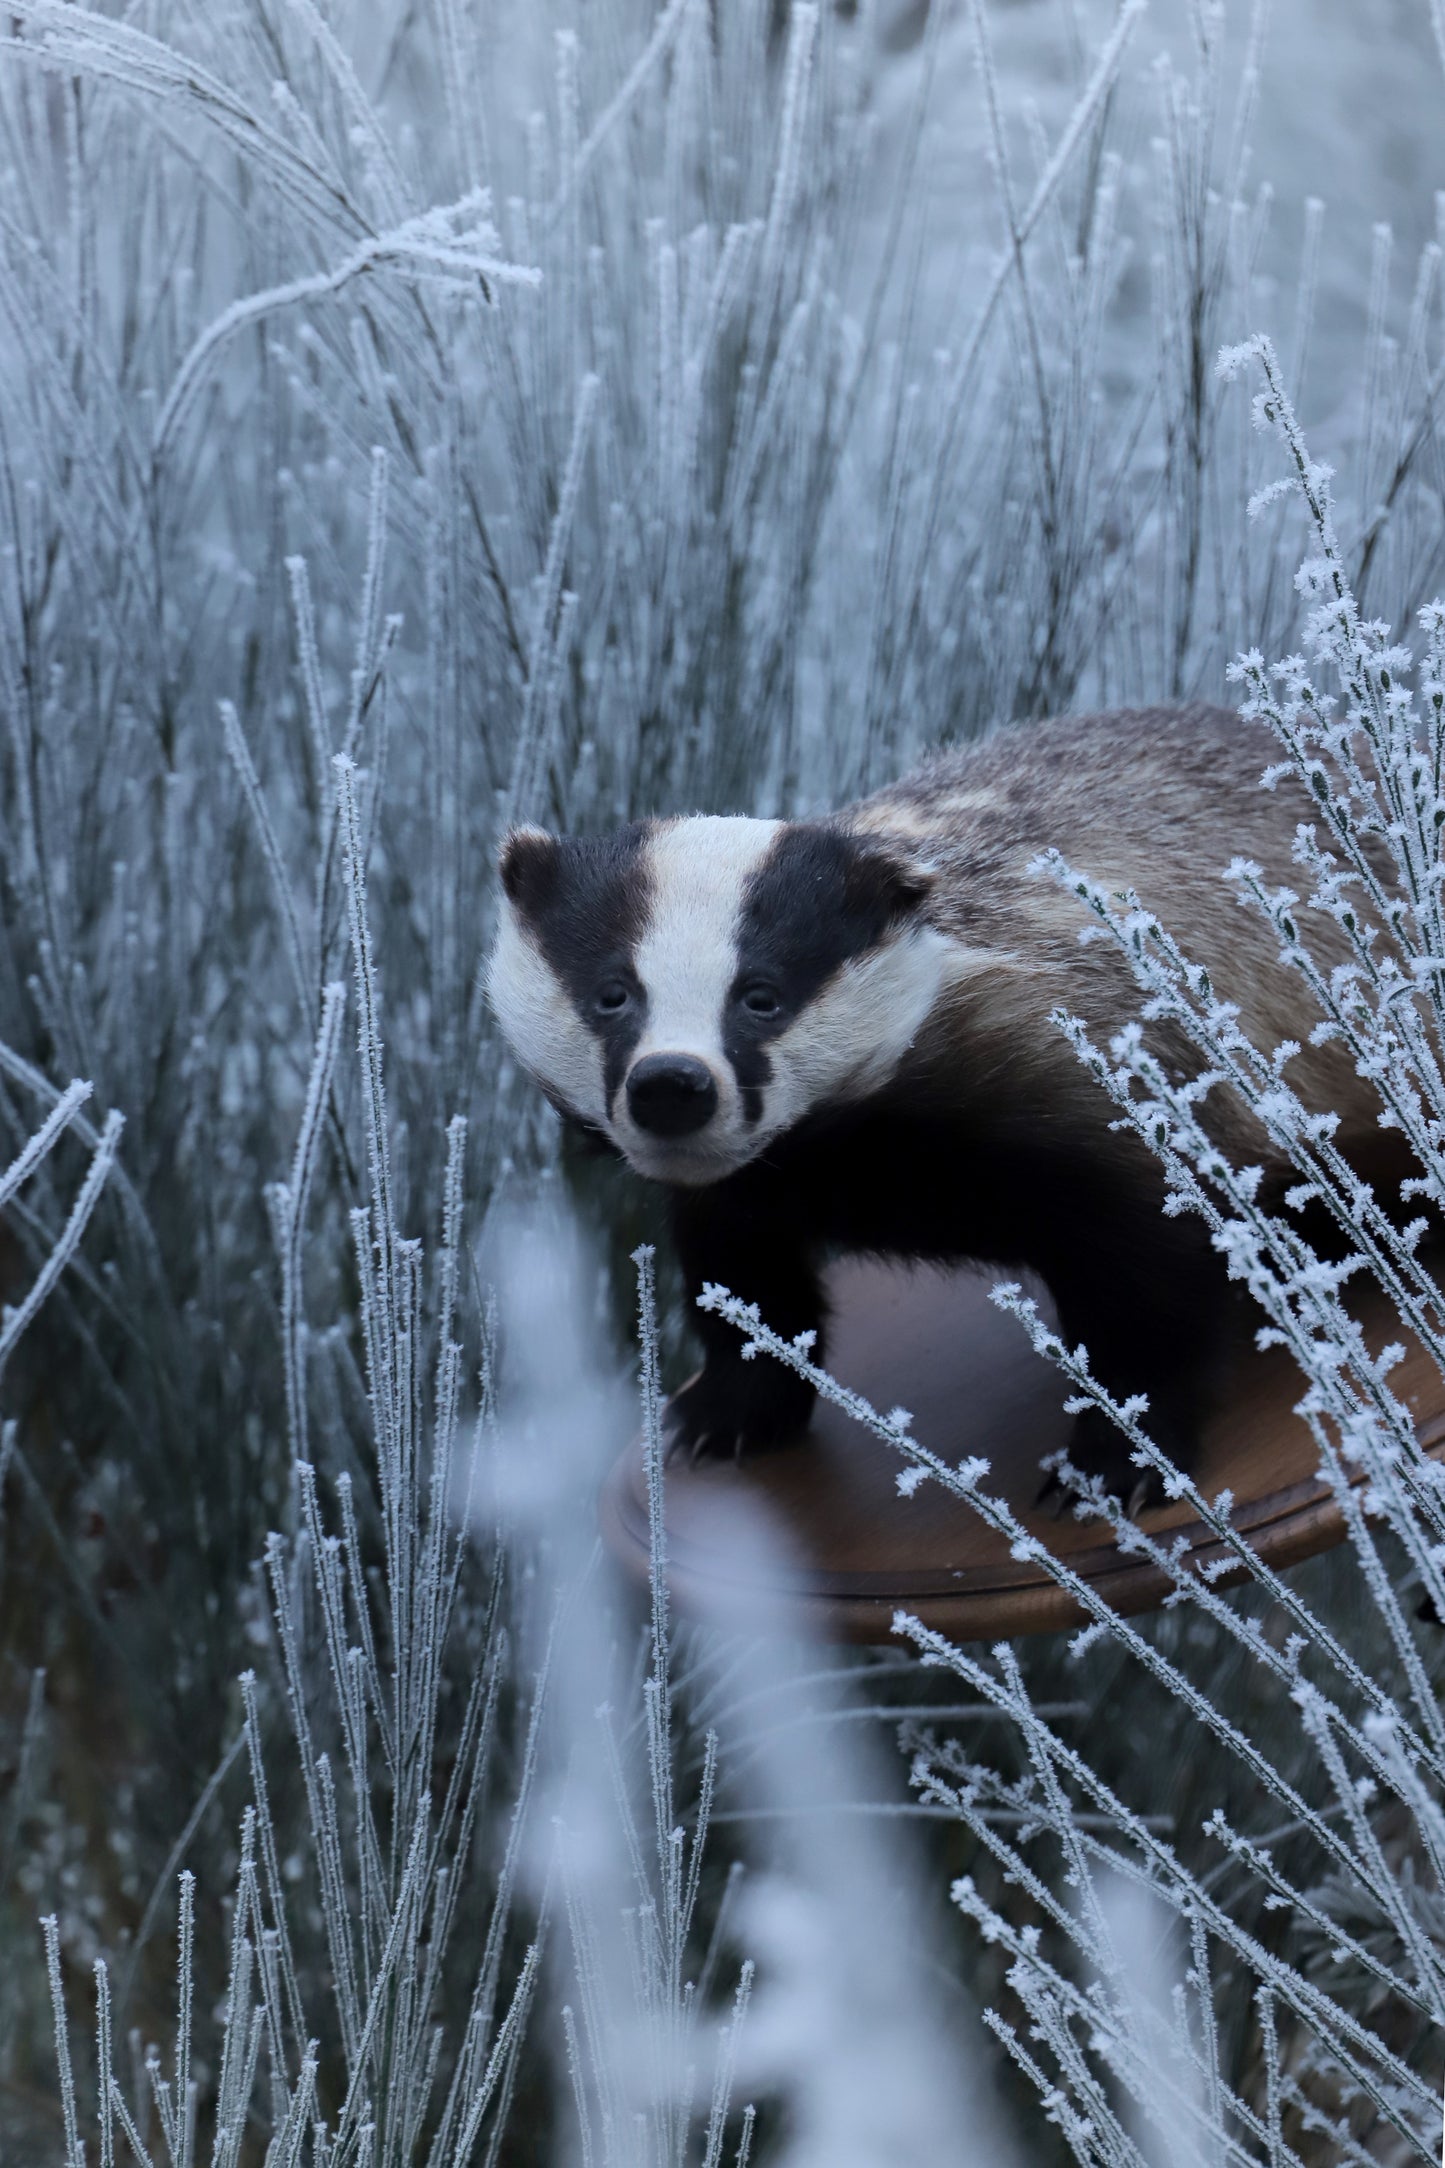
x=901, y=1178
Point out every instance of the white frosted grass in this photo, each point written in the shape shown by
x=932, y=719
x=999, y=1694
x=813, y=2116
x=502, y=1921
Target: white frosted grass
x=1215, y=1515
x=14, y=1319
x=1376, y=773
x=44, y=1140
x=386, y=1895
x=726, y=2062
x=839, y=2025
x=53, y=1253
x=531, y=753
x=99, y=47
x=503, y=2050
x=1400, y=2094
x=647, y=2065
x=369, y=651
x=185, y=1970
x=308, y=657
x=962, y=385
x=766, y=569
x=50, y=1927
x=269, y=1860
x=245, y=768
x=424, y=247
x=1176, y=2105
x=1352, y=2045
x=104, y=2063
x=664, y=31
x=798, y=70
x=377, y=1230
x=289, y=1204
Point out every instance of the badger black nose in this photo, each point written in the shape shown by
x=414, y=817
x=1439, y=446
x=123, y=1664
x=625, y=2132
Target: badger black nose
x=671, y=1095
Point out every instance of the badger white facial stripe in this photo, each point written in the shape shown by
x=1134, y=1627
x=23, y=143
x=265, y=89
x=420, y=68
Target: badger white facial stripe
x=687, y=958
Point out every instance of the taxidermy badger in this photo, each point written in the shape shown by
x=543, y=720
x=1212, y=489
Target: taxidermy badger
x=834, y=1035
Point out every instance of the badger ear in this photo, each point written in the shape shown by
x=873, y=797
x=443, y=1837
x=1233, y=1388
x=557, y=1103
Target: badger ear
x=882, y=882
x=528, y=862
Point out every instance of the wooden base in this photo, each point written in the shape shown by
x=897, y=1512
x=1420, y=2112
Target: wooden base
x=933, y=1341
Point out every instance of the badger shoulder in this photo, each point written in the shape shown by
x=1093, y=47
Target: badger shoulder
x=1126, y=791
x=1153, y=800
x=1157, y=800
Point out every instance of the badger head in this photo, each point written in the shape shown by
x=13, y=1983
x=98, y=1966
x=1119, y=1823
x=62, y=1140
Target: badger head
x=694, y=988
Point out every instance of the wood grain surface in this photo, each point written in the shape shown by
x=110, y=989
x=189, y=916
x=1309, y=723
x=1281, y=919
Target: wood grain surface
x=933, y=1341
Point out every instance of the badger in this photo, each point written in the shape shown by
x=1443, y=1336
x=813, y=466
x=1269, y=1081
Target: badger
x=836, y=1035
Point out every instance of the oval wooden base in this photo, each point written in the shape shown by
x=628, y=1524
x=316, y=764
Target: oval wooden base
x=933, y=1341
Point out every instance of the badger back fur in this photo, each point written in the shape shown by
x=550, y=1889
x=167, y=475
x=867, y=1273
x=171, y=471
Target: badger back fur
x=837, y=1034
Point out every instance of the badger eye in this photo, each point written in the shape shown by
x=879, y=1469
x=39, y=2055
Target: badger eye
x=760, y=999
x=613, y=998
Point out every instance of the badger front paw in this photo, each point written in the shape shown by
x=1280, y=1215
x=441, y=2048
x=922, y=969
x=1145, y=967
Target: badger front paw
x=1099, y=1449
x=734, y=1408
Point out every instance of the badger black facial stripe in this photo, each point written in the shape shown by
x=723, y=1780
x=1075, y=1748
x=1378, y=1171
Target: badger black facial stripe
x=592, y=919
x=818, y=899
x=588, y=928
x=619, y=1037
x=751, y=1067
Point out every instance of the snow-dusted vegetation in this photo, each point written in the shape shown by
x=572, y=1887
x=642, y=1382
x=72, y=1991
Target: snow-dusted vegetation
x=415, y=418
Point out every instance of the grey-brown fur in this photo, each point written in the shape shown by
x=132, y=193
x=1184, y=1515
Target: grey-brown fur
x=1154, y=799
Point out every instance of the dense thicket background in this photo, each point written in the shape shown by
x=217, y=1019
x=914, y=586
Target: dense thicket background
x=566, y=414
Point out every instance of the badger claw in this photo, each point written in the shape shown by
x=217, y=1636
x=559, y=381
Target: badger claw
x=728, y=1414
x=1052, y=1496
x=1104, y=1459
x=689, y=1448
x=1143, y=1495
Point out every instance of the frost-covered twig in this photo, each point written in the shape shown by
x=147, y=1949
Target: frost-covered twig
x=13, y=1321
x=426, y=246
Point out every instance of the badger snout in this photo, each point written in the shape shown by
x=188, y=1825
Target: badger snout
x=671, y=1095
